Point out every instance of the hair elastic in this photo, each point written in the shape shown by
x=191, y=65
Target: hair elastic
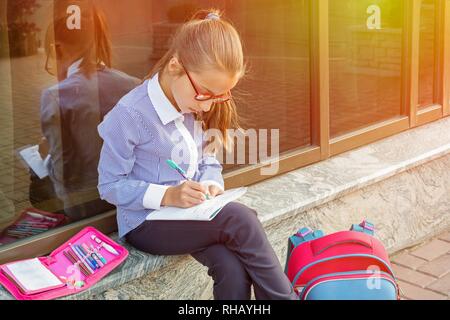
x=212, y=16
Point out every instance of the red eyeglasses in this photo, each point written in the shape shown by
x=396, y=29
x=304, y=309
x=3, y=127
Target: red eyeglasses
x=52, y=50
x=206, y=96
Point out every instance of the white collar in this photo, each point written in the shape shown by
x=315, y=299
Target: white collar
x=74, y=67
x=164, y=108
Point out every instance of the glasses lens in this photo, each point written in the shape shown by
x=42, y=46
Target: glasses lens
x=202, y=97
x=48, y=67
x=51, y=54
x=205, y=97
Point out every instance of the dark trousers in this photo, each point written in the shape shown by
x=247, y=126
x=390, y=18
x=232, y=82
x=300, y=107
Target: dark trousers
x=233, y=246
x=42, y=194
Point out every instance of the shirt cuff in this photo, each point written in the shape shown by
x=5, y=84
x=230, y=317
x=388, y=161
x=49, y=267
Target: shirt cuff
x=208, y=183
x=154, y=195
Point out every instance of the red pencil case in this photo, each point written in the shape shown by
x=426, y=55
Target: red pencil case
x=104, y=255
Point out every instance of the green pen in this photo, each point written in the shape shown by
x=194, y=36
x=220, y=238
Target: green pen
x=214, y=213
x=174, y=166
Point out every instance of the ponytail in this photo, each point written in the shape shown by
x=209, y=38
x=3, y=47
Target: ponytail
x=102, y=40
x=98, y=54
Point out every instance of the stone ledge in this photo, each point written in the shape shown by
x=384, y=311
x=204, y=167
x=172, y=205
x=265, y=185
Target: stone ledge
x=311, y=186
x=304, y=189
x=405, y=208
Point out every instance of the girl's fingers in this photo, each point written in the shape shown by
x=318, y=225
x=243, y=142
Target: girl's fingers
x=211, y=191
x=214, y=191
x=196, y=190
x=196, y=194
x=197, y=186
x=191, y=201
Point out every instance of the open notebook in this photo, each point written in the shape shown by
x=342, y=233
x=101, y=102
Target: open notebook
x=33, y=159
x=205, y=211
x=31, y=276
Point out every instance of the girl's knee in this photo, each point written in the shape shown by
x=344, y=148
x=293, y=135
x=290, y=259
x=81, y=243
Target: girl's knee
x=240, y=212
x=237, y=206
x=237, y=220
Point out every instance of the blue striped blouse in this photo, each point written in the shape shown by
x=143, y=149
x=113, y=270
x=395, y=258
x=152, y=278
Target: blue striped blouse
x=139, y=134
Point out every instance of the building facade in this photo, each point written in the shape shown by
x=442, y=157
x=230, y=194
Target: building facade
x=325, y=76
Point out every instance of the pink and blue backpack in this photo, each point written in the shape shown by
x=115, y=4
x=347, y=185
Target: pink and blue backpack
x=346, y=265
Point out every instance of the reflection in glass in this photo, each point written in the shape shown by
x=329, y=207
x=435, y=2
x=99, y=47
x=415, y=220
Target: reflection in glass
x=427, y=52
x=365, y=62
x=277, y=89
x=62, y=86
x=71, y=111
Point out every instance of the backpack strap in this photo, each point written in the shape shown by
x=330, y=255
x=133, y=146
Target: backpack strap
x=365, y=227
x=306, y=234
x=302, y=235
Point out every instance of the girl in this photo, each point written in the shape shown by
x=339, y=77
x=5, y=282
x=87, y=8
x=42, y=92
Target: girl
x=87, y=89
x=191, y=82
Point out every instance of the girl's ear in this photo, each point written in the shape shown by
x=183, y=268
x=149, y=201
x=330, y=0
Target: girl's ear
x=174, y=67
x=59, y=52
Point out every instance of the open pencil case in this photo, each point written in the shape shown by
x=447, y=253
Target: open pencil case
x=101, y=254
x=31, y=221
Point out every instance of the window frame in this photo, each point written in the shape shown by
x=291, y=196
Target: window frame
x=433, y=112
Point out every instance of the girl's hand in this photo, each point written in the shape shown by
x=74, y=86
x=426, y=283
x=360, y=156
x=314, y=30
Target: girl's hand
x=185, y=195
x=43, y=147
x=214, y=191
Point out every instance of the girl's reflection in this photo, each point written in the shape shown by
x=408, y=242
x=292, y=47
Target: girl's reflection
x=88, y=87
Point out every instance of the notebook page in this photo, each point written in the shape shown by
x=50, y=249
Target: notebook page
x=33, y=159
x=200, y=212
x=32, y=275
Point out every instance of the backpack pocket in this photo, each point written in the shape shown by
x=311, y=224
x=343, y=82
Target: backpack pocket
x=356, y=285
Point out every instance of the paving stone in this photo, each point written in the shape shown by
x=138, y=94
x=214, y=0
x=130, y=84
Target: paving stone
x=407, y=260
x=438, y=267
x=413, y=292
x=432, y=250
x=412, y=276
x=442, y=285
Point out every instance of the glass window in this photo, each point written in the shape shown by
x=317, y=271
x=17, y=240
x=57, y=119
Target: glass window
x=276, y=92
x=60, y=82
x=55, y=90
x=427, y=52
x=366, y=39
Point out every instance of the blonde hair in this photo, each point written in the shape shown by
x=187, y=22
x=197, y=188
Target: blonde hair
x=207, y=41
x=92, y=41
